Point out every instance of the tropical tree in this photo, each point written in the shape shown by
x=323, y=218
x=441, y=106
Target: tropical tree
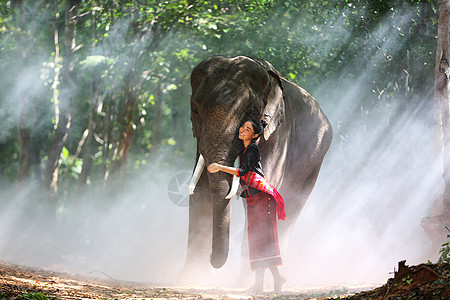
x=102, y=87
x=442, y=97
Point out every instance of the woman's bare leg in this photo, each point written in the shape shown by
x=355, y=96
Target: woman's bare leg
x=278, y=279
x=257, y=288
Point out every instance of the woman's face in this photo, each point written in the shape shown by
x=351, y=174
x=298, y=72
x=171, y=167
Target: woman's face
x=246, y=132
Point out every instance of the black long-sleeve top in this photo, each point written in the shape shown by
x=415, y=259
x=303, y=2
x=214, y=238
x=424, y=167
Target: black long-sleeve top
x=250, y=161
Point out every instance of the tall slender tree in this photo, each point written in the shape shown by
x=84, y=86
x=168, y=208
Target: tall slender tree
x=63, y=110
x=24, y=130
x=442, y=94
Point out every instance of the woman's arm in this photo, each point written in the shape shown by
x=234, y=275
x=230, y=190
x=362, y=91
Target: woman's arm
x=215, y=167
x=250, y=157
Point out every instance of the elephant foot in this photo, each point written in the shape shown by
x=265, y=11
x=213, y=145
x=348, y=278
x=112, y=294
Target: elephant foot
x=278, y=284
x=196, y=272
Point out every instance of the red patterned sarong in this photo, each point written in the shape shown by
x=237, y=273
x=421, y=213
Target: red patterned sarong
x=258, y=182
x=264, y=250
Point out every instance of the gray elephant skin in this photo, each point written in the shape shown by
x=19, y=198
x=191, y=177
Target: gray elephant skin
x=225, y=93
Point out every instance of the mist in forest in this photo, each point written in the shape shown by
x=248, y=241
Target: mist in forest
x=376, y=183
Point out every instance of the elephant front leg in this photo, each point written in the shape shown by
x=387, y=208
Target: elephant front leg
x=221, y=232
x=199, y=236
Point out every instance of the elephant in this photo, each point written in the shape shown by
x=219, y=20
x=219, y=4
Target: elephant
x=225, y=93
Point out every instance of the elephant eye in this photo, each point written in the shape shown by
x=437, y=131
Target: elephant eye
x=194, y=108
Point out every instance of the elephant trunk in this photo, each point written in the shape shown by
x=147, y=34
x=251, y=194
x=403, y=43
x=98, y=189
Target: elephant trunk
x=220, y=189
x=221, y=230
x=219, y=185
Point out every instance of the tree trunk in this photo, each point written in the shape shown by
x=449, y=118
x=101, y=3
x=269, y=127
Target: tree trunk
x=23, y=124
x=24, y=136
x=86, y=144
x=66, y=89
x=157, y=122
x=442, y=96
x=107, y=141
x=130, y=100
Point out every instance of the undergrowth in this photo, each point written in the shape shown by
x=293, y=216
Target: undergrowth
x=331, y=294
x=445, y=252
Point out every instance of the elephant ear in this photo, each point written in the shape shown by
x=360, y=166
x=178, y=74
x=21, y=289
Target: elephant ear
x=274, y=109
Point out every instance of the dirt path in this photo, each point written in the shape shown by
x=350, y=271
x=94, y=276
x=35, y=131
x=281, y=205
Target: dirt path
x=19, y=282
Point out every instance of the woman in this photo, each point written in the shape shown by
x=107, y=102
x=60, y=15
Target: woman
x=263, y=203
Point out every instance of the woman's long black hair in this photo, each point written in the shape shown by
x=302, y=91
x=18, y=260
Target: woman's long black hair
x=258, y=127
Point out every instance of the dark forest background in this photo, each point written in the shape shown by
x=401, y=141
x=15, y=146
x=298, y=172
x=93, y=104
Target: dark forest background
x=94, y=89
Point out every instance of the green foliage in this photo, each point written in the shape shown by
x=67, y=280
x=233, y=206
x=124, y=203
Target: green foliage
x=333, y=293
x=70, y=165
x=33, y=296
x=407, y=280
x=444, y=253
x=133, y=59
x=323, y=295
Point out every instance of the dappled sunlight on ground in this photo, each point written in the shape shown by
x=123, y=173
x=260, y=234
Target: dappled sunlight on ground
x=17, y=281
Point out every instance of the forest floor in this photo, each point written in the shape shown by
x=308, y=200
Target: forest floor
x=429, y=281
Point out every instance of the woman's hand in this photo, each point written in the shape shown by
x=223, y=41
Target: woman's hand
x=214, y=168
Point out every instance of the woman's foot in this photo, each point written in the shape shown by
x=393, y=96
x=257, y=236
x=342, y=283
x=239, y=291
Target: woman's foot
x=255, y=290
x=278, y=284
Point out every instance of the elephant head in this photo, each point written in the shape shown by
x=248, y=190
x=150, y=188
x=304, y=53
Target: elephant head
x=225, y=93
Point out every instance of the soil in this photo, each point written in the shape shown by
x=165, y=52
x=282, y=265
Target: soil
x=429, y=281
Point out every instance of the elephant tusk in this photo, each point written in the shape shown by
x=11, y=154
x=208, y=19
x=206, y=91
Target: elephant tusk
x=197, y=172
x=235, y=184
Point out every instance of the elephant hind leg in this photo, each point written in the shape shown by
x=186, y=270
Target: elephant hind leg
x=310, y=181
x=294, y=205
x=296, y=199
